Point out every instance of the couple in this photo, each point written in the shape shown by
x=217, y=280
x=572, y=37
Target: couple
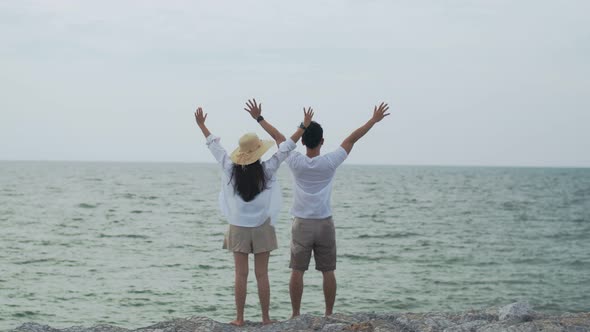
x=250, y=199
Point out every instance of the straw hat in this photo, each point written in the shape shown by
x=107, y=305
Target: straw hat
x=251, y=149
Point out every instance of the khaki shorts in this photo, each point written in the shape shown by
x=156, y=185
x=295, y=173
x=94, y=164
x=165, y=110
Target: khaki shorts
x=251, y=239
x=317, y=235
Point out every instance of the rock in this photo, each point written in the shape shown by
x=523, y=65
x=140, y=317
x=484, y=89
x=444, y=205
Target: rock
x=516, y=317
x=516, y=312
x=438, y=322
x=335, y=327
x=467, y=327
x=34, y=327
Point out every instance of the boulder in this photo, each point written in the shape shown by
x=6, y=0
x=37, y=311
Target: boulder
x=516, y=312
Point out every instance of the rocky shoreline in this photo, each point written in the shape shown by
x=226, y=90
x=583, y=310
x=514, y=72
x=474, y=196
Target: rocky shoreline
x=514, y=317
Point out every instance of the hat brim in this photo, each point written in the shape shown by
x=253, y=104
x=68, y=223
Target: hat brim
x=247, y=158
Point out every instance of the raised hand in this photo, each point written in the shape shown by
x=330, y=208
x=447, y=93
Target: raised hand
x=254, y=109
x=199, y=117
x=307, y=116
x=379, y=112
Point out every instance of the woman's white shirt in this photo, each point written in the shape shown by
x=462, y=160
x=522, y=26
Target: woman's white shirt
x=266, y=204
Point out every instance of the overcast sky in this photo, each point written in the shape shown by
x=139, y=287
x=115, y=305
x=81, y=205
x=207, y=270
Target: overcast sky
x=469, y=82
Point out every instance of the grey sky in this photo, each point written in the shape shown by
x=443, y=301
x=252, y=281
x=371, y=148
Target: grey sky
x=469, y=82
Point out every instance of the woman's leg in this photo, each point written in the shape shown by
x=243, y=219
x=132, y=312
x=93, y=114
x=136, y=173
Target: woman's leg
x=261, y=271
x=241, y=281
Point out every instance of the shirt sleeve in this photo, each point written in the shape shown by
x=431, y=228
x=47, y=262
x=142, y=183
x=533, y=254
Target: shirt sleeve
x=337, y=157
x=219, y=153
x=292, y=158
x=272, y=164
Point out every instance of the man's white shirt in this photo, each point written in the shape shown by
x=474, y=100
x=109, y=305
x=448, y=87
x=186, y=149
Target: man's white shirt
x=312, y=188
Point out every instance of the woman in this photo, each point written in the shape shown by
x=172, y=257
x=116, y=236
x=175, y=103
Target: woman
x=250, y=199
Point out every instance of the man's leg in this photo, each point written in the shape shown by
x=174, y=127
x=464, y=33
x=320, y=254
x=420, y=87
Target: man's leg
x=261, y=271
x=329, y=291
x=296, y=291
x=325, y=259
x=241, y=282
x=302, y=235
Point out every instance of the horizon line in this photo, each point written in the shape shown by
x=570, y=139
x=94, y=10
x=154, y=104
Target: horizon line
x=349, y=164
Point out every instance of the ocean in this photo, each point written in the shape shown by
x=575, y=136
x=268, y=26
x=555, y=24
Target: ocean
x=132, y=244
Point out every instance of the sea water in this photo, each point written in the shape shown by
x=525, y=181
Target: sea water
x=132, y=244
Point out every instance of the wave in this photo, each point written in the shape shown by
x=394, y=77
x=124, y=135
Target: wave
x=24, y=314
x=87, y=206
x=362, y=258
x=129, y=236
x=387, y=235
x=34, y=261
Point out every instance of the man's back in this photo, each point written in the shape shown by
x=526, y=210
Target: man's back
x=313, y=182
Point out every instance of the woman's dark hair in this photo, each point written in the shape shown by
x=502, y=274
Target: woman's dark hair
x=313, y=135
x=249, y=180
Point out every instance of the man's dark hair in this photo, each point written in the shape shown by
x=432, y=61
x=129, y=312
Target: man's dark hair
x=249, y=181
x=312, y=137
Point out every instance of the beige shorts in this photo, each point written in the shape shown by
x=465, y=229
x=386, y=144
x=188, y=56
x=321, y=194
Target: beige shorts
x=317, y=235
x=251, y=239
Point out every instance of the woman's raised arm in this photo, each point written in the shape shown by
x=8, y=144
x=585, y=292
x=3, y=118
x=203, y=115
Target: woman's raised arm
x=200, y=118
x=255, y=111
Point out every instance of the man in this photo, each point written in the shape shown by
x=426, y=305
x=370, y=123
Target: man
x=313, y=227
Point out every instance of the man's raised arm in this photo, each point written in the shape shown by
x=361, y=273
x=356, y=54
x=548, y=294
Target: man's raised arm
x=378, y=114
